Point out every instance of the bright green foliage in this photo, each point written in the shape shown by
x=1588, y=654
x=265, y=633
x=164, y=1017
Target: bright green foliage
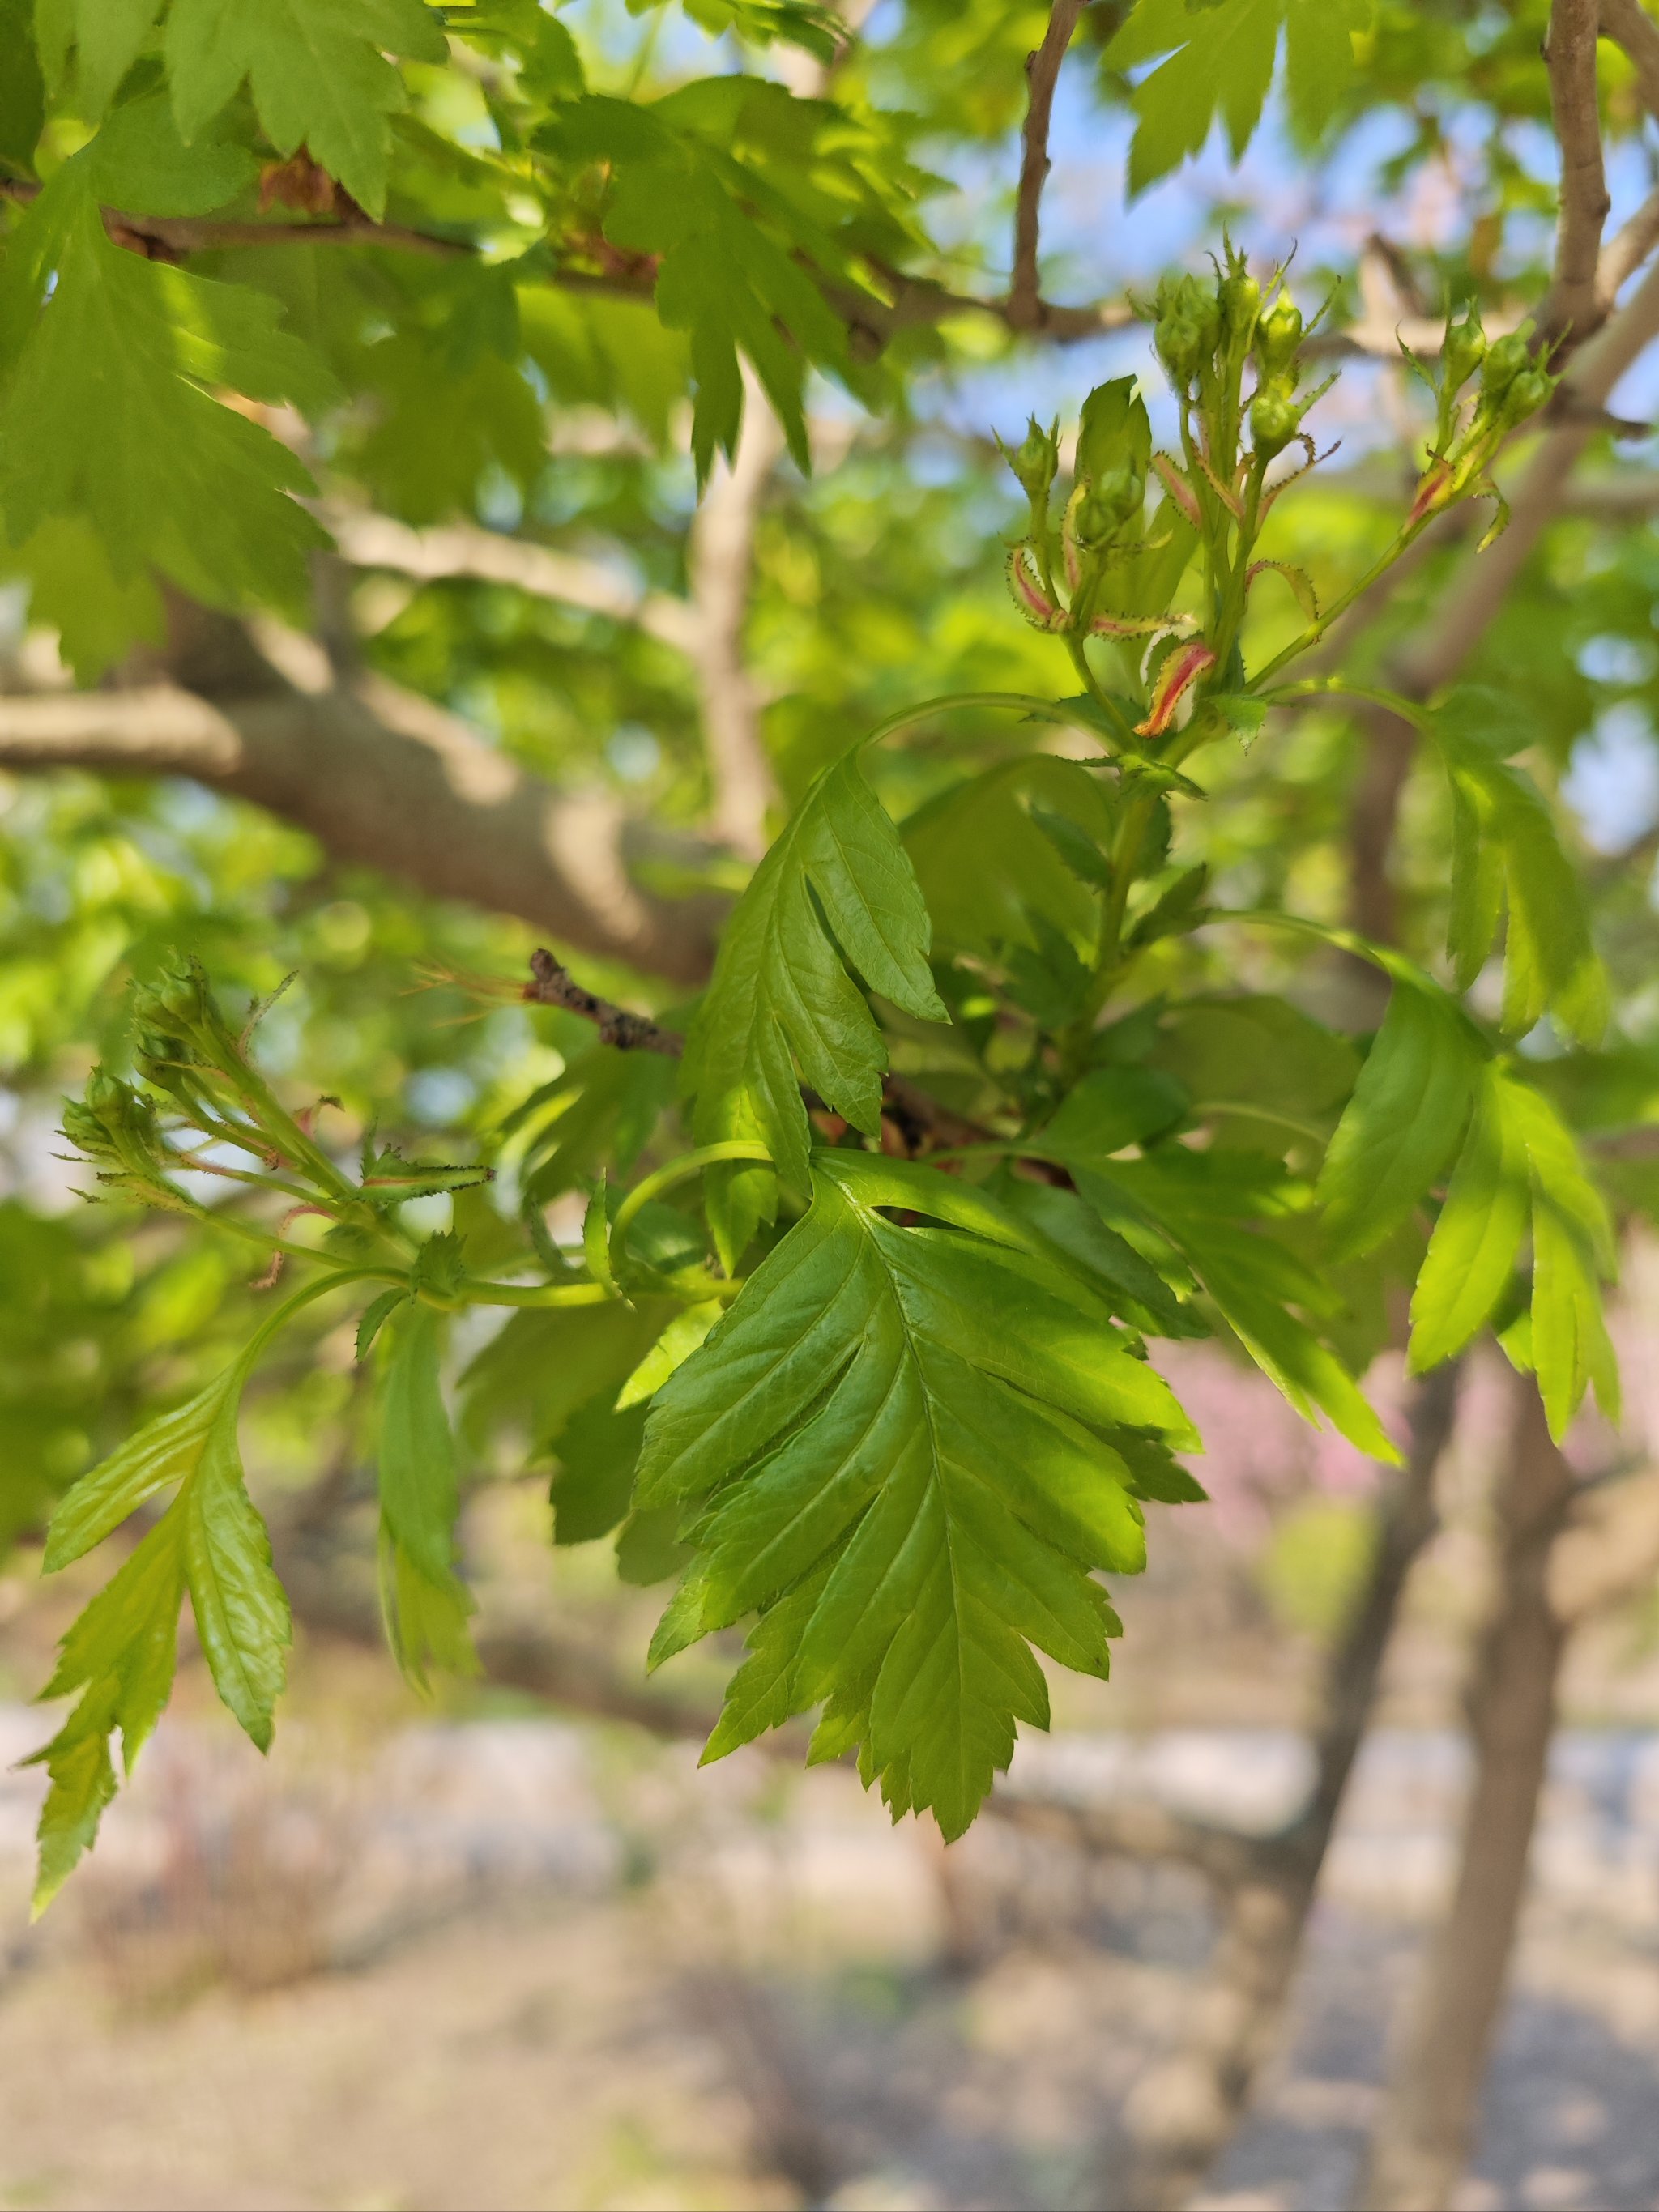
x=119, y=1655
x=103, y=37
x=782, y=994
x=918, y=1423
x=894, y=1416
x=424, y=1602
x=1410, y=1106
x=108, y=419
x=1520, y=1167
x=1220, y=58
x=317, y=71
x=1506, y=853
x=753, y=200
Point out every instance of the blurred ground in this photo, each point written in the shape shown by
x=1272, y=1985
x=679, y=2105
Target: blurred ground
x=520, y=1963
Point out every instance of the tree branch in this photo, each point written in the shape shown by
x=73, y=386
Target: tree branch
x=1574, y=303
x=464, y=550
x=1468, y=609
x=720, y=554
x=552, y=984
x=383, y=778
x=1627, y=23
x=1024, y=307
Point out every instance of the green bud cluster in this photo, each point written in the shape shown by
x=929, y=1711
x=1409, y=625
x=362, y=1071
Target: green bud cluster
x=1035, y=462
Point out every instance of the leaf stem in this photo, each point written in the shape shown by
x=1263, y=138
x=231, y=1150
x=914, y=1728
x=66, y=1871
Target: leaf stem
x=678, y=1170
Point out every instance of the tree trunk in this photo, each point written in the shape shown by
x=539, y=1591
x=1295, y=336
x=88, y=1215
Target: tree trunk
x=1183, y=2110
x=1423, y=2140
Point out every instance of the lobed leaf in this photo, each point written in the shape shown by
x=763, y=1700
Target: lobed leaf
x=1403, y=1124
x=894, y=1447
x=836, y=887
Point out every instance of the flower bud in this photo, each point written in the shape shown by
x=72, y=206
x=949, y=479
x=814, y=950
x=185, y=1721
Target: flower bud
x=1278, y=335
x=1240, y=298
x=1464, y=349
x=1180, y=349
x=1504, y=360
x=1094, y=520
x=1035, y=460
x=1275, y=421
x=1526, y=394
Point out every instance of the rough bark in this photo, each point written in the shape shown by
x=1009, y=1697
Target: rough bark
x=1422, y=2139
x=1575, y=302
x=1186, y=2106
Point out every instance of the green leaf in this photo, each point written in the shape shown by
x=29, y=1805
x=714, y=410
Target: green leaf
x=140, y=164
x=241, y=1612
x=919, y=1408
x=318, y=71
x=374, y=1315
x=835, y=887
x=1572, y=1248
x=167, y=1449
x=988, y=867
x=1257, y=1283
x=22, y=94
x=105, y=36
x=1473, y=1250
x=120, y=1652
x=597, y=1451
x=1505, y=851
x=108, y=419
x=752, y=201
x=1409, y=1109
x=1221, y=58
x=671, y=1349
x=424, y=1602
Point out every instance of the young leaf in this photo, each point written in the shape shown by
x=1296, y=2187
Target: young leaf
x=107, y=415
x=1408, y=1110
x=987, y=867
x=1472, y=1252
x=106, y=37
x=241, y=1611
x=1505, y=850
x=318, y=71
x=1256, y=1284
x=780, y=989
x=1221, y=57
x=120, y=1655
x=167, y=1449
x=924, y=1405
x=424, y=1602
x=1521, y=1164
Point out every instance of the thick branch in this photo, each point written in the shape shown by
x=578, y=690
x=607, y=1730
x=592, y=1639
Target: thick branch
x=720, y=553
x=1574, y=303
x=463, y=551
x=1024, y=306
x=1628, y=24
x=390, y=781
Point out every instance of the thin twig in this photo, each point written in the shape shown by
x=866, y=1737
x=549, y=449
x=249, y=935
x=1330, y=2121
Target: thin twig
x=553, y=985
x=1024, y=304
x=1574, y=305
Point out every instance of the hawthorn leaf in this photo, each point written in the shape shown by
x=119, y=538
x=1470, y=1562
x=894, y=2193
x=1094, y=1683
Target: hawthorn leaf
x=1409, y=1109
x=319, y=73
x=120, y=1654
x=168, y=1450
x=1472, y=1253
x=423, y=1600
x=921, y=1408
x=1259, y=1287
x=107, y=416
x=1506, y=852
x=835, y=887
x=106, y=37
x=241, y=1611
